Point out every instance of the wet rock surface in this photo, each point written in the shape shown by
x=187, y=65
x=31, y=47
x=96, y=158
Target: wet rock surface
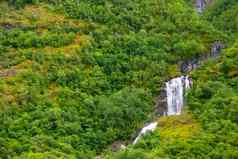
x=117, y=145
x=161, y=104
x=189, y=65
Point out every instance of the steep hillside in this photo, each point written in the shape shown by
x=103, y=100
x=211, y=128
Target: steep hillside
x=212, y=101
x=212, y=131
x=75, y=76
x=223, y=15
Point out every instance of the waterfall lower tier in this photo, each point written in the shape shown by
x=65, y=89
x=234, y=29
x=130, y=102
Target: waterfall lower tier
x=149, y=128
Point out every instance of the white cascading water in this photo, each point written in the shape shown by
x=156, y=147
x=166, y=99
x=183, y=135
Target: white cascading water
x=187, y=82
x=175, y=89
x=149, y=128
x=175, y=93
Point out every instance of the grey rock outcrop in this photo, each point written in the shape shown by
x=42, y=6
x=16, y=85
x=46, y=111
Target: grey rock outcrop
x=191, y=64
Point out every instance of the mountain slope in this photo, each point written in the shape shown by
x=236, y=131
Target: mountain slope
x=75, y=76
x=212, y=102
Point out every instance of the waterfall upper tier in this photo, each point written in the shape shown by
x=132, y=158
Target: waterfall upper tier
x=171, y=100
x=175, y=89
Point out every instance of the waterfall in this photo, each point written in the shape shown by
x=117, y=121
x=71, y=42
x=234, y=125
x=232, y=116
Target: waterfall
x=175, y=89
x=149, y=128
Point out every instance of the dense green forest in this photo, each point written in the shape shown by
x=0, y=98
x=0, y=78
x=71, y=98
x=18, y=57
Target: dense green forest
x=208, y=128
x=76, y=76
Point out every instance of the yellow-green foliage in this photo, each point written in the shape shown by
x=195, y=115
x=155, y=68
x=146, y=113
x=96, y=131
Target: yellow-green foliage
x=39, y=16
x=83, y=73
x=173, y=127
x=41, y=19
